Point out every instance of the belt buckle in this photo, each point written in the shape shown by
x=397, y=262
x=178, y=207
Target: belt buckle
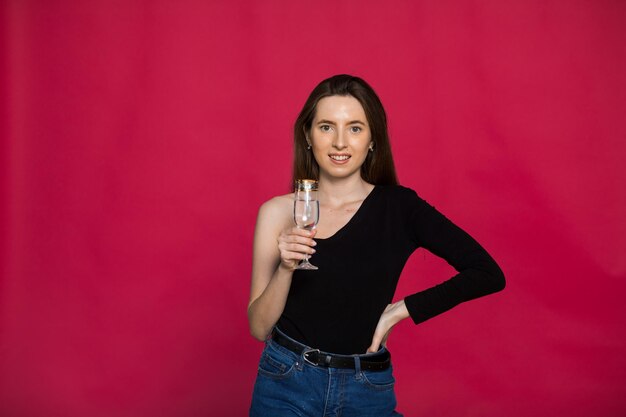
x=307, y=359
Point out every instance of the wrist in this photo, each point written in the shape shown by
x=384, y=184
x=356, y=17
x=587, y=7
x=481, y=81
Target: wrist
x=399, y=312
x=286, y=269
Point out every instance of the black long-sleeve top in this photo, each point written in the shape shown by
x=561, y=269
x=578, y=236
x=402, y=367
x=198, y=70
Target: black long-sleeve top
x=336, y=308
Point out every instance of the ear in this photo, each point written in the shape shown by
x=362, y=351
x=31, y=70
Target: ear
x=371, y=147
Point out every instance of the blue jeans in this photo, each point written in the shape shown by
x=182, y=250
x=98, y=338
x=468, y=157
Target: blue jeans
x=287, y=385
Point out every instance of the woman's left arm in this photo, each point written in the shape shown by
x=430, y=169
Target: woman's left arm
x=478, y=274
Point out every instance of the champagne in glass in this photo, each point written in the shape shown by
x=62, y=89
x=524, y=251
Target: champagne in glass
x=306, y=211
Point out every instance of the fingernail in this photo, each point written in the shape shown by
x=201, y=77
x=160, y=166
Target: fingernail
x=314, y=243
x=313, y=250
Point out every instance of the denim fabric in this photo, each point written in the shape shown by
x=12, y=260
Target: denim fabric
x=287, y=385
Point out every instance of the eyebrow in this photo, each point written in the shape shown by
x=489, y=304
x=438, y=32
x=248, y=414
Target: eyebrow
x=329, y=122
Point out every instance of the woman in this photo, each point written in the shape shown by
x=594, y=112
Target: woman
x=325, y=330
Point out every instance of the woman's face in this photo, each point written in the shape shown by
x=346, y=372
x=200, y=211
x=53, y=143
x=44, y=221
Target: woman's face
x=340, y=136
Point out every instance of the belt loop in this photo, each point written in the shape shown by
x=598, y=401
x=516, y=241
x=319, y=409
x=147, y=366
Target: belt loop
x=357, y=367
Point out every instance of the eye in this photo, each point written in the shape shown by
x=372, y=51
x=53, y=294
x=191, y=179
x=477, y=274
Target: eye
x=355, y=129
x=325, y=128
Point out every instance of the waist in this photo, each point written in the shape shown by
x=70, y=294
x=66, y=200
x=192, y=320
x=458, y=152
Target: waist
x=378, y=361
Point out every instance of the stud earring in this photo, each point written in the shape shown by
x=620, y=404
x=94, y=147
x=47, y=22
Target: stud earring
x=308, y=145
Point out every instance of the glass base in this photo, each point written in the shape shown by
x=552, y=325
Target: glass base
x=306, y=265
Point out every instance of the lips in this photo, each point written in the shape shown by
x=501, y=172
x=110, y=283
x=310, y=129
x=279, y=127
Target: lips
x=339, y=158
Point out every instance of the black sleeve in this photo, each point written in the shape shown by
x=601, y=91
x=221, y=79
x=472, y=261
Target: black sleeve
x=478, y=274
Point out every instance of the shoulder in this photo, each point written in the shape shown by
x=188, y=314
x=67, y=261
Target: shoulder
x=398, y=193
x=276, y=212
x=277, y=205
x=404, y=200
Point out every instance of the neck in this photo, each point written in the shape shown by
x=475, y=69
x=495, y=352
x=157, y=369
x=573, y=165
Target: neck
x=337, y=191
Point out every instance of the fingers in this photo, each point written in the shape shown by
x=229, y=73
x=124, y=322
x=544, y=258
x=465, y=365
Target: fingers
x=301, y=232
x=295, y=232
x=297, y=237
x=383, y=329
x=302, y=248
x=297, y=240
x=377, y=343
x=299, y=244
x=373, y=348
x=295, y=245
x=293, y=256
x=379, y=339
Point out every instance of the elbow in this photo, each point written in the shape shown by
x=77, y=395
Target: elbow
x=498, y=282
x=488, y=279
x=258, y=335
x=256, y=329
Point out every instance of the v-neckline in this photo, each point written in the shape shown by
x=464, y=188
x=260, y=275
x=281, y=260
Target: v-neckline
x=354, y=217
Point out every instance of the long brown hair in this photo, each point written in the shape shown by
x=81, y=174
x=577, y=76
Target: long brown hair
x=378, y=167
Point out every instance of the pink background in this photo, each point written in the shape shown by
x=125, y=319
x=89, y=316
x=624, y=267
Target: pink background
x=139, y=139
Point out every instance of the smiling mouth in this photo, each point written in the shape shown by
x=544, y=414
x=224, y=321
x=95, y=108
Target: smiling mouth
x=339, y=158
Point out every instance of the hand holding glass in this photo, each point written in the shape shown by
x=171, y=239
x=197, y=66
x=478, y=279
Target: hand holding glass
x=306, y=212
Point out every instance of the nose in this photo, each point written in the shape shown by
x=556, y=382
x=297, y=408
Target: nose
x=339, y=141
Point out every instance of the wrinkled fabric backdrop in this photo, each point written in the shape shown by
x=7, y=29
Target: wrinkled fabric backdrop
x=140, y=137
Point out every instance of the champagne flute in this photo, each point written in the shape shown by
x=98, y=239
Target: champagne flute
x=306, y=212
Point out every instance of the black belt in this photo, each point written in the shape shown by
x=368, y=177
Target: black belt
x=377, y=362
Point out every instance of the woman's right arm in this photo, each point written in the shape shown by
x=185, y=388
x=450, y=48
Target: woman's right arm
x=278, y=247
